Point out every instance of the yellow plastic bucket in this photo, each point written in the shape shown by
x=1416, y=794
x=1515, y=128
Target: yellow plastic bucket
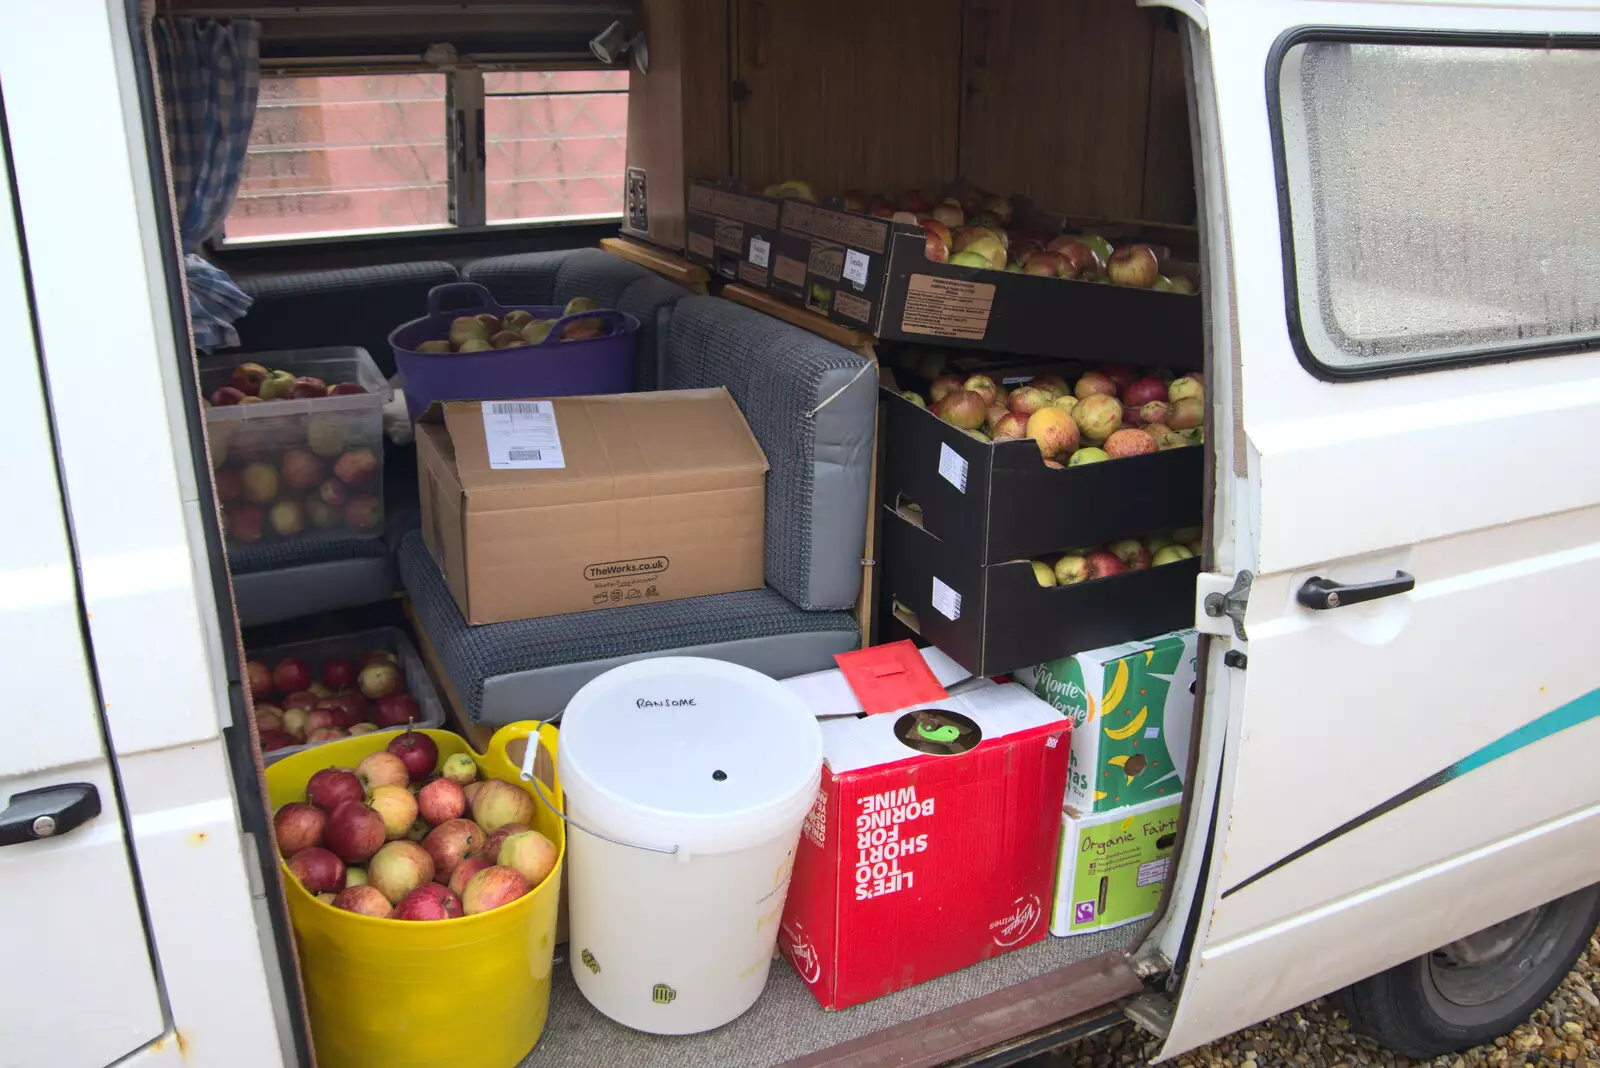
x=472, y=992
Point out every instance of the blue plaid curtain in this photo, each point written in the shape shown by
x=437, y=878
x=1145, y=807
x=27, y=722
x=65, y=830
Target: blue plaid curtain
x=210, y=75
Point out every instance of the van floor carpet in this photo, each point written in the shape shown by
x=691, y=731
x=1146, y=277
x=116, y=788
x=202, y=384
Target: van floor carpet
x=787, y=1022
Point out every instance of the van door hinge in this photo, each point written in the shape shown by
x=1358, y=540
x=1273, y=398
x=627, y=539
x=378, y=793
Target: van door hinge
x=1219, y=603
x=1151, y=1012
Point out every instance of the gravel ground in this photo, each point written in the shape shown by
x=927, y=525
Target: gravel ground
x=1565, y=1031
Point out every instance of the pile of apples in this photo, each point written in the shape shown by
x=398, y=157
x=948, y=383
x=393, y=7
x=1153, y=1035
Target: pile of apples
x=327, y=483
x=1108, y=413
x=294, y=706
x=393, y=840
x=974, y=230
x=253, y=384
x=519, y=328
x=1129, y=554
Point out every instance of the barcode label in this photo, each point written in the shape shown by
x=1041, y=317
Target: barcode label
x=952, y=467
x=855, y=266
x=522, y=435
x=946, y=600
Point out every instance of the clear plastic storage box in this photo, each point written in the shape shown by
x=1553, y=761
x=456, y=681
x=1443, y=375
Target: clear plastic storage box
x=304, y=468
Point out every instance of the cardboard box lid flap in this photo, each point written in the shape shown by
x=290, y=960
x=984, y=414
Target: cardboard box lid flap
x=999, y=709
x=625, y=440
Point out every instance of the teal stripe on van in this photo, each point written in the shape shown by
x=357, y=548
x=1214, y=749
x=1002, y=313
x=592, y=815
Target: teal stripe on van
x=1567, y=716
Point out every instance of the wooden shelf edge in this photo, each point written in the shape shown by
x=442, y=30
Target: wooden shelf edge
x=669, y=265
x=863, y=344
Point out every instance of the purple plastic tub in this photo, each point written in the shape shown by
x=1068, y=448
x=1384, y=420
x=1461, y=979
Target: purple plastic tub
x=552, y=368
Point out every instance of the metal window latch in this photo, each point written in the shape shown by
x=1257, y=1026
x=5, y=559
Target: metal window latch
x=1232, y=604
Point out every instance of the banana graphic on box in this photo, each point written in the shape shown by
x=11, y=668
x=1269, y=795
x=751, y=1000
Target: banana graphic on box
x=1131, y=707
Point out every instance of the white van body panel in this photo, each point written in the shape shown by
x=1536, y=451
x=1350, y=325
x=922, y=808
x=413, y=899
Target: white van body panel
x=94, y=247
x=1398, y=773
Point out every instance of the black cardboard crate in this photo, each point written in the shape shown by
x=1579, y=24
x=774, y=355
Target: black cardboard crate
x=996, y=618
x=873, y=274
x=1013, y=506
x=735, y=234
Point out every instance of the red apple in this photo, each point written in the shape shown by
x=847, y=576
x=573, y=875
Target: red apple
x=397, y=710
x=423, y=904
x=1092, y=383
x=272, y=741
x=244, y=522
x=356, y=467
x=363, y=513
x=452, y=842
x=345, y=389
x=335, y=708
x=491, y=888
x=465, y=871
x=225, y=396
x=382, y=769
x=333, y=493
x=356, y=707
x=298, y=826
x=364, y=900
x=229, y=486
x=326, y=734
x=258, y=677
x=498, y=803
x=291, y=674
x=1080, y=258
x=936, y=247
x=491, y=848
x=379, y=680
x=983, y=386
x=268, y=718
x=1153, y=412
x=531, y=853
x=319, y=871
x=418, y=752
x=338, y=672
x=354, y=832
x=441, y=801
x=1103, y=564
x=915, y=201
x=1132, y=553
x=306, y=387
x=300, y=469
x=943, y=386
x=1135, y=265
x=1046, y=264
x=1142, y=391
x=1026, y=400
x=399, y=868
x=322, y=719
x=1121, y=375
x=1009, y=427
x=1128, y=442
x=882, y=209
x=962, y=408
x=332, y=787
x=247, y=378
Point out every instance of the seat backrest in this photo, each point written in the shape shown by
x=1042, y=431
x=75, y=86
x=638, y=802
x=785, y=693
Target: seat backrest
x=557, y=277
x=348, y=306
x=812, y=405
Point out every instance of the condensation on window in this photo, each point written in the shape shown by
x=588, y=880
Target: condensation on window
x=1445, y=201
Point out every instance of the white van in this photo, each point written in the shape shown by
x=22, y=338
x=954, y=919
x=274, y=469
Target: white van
x=1394, y=787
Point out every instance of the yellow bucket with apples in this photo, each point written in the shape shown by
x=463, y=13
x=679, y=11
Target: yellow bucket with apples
x=470, y=992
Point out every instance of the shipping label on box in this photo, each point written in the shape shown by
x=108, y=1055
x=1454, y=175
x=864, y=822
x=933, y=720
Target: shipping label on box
x=931, y=845
x=1113, y=866
x=1131, y=707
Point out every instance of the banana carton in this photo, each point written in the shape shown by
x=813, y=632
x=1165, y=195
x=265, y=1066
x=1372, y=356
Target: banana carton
x=1131, y=707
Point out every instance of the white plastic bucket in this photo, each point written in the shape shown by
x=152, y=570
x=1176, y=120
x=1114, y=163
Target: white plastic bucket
x=686, y=784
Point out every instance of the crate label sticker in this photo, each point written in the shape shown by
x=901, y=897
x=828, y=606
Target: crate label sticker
x=946, y=600
x=952, y=467
x=759, y=251
x=522, y=435
x=701, y=245
x=855, y=267
x=947, y=307
x=756, y=276
x=730, y=236
x=852, y=307
x=1152, y=872
x=790, y=270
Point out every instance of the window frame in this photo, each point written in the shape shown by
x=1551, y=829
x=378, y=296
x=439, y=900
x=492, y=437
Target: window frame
x=1442, y=361
x=466, y=164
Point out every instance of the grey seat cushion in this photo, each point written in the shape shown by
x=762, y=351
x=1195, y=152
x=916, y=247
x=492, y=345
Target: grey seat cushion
x=348, y=306
x=811, y=404
x=306, y=589
x=556, y=277
x=529, y=669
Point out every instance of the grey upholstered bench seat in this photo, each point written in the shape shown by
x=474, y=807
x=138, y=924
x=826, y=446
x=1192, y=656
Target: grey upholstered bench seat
x=530, y=668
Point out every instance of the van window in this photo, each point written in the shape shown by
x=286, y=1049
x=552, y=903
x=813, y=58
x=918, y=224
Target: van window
x=557, y=143
x=344, y=153
x=1443, y=201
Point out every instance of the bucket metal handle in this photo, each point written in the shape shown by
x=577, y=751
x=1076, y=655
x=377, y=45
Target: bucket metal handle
x=538, y=791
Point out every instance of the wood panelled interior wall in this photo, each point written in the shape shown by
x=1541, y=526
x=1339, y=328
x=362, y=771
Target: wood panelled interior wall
x=848, y=94
x=1079, y=105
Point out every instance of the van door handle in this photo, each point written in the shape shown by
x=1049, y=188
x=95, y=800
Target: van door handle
x=48, y=812
x=1321, y=594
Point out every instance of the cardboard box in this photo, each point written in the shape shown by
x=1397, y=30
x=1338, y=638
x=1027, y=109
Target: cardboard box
x=1132, y=709
x=735, y=234
x=920, y=859
x=996, y=618
x=1113, y=866
x=873, y=274
x=997, y=501
x=536, y=508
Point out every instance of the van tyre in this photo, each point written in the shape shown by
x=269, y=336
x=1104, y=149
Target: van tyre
x=1478, y=988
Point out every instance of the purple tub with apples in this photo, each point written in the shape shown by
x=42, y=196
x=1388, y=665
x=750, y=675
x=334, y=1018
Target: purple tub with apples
x=551, y=368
